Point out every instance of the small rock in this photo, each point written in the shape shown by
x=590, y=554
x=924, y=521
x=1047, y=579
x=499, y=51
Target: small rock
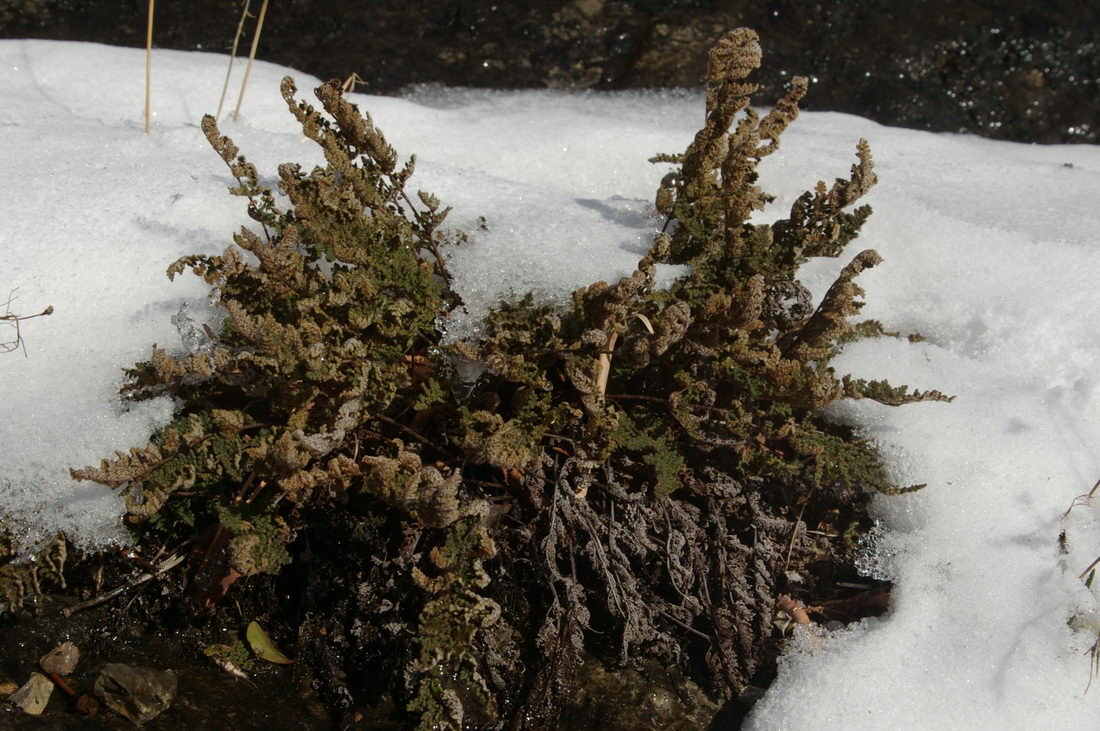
x=61, y=659
x=88, y=705
x=140, y=694
x=34, y=695
x=7, y=688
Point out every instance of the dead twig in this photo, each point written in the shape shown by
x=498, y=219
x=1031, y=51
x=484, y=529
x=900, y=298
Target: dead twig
x=13, y=320
x=350, y=83
x=604, y=362
x=232, y=57
x=668, y=615
x=148, y=65
x=414, y=434
x=251, y=58
x=1089, y=569
x=167, y=565
x=794, y=609
x=62, y=684
x=1094, y=662
x=1082, y=500
x=1085, y=499
x=794, y=536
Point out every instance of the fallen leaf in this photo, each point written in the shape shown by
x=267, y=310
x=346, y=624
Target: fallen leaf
x=262, y=645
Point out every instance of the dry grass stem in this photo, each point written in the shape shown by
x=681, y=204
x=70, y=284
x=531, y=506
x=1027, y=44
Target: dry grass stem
x=351, y=82
x=605, y=363
x=794, y=609
x=148, y=63
x=13, y=320
x=605, y=356
x=251, y=58
x=167, y=565
x=232, y=58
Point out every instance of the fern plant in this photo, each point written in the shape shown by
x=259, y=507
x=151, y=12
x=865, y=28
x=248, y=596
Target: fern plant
x=684, y=425
x=626, y=480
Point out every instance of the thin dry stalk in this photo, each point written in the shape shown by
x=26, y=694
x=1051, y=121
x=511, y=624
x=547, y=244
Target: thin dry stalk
x=1085, y=499
x=1094, y=662
x=1088, y=570
x=9, y=318
x=605, y=363
x=95, y=601
x=350, y=83
x=251, y=58
x=1082, y=499
x=148, y=64
x=232, y=58
x=794, y=609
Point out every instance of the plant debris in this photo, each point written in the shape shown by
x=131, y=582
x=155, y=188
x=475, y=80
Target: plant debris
x=263, y=647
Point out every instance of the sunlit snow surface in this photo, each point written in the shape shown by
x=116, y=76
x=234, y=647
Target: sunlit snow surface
x=992, y=254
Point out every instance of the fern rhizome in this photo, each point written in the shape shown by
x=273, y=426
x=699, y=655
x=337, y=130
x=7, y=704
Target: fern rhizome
x=631, y=479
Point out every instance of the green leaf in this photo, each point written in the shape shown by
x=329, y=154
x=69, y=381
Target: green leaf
x=262, y=645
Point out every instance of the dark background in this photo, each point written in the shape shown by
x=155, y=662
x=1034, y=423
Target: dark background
x=1026, y=71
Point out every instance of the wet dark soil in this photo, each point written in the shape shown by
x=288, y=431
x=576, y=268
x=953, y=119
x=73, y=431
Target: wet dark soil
x=320, y=613
x=276, y=698
x=1007, y=69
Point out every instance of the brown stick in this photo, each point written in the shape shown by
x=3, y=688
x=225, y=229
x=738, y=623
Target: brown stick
x=95, y=601
x=350, y=82
x=605, y=356
x=796, y=611
x=251, y=58
x=414, y=434
x=688, y=627
x=148, y=64
x=12, y=319
x=1091, y=566
x=61, y=684
x=232, y=58
x=605, y=363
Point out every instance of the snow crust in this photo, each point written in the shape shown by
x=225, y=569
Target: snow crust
x=991, y=253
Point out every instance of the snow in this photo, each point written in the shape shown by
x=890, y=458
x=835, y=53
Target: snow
x=991, y=252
